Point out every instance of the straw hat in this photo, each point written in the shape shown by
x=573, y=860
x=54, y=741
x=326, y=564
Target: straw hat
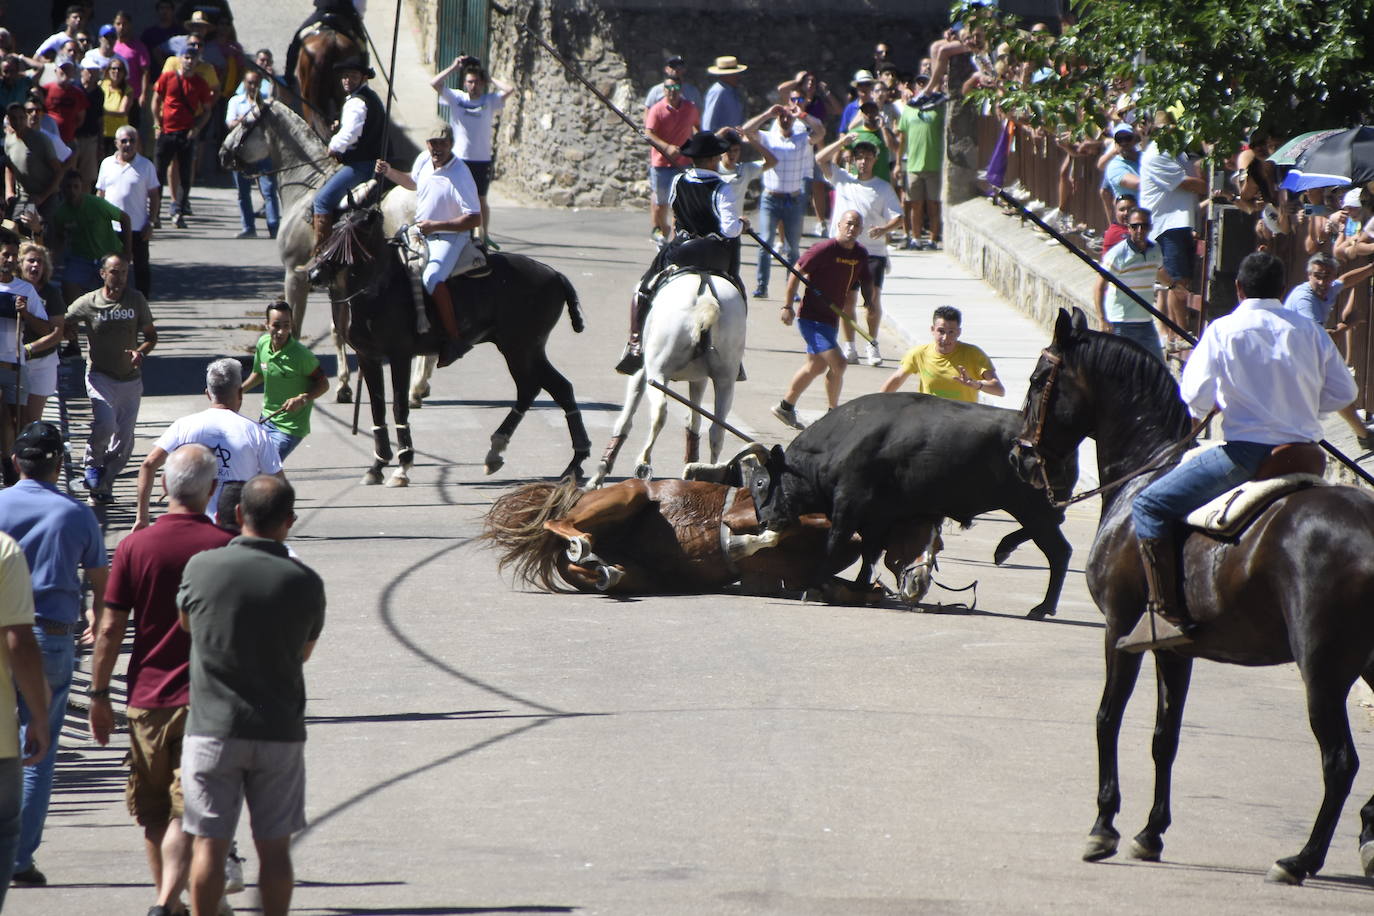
x=725, y=66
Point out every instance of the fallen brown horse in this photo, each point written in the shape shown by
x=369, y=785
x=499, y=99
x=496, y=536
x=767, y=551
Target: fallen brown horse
x=671, y=537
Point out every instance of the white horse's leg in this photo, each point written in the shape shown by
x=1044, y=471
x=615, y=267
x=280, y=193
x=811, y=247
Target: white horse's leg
x=634, y=390
x=724, y=389
x=423, y=368
x=696, y=393
x=658, y=413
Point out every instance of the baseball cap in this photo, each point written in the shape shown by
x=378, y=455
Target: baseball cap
x=39, y=440
x=676, y=62
x=440, y=130
x=107, y=31
x=1351, y=198
x=1123, y=129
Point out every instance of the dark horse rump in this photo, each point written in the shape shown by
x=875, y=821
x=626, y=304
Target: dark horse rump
x=884, y=459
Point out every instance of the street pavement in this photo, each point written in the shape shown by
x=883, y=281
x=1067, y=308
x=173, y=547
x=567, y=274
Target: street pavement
x=475, y=748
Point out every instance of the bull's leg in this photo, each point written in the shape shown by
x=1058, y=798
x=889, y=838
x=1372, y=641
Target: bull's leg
x=1052, y=543
x=1174, y=672
x=634, y=390
x=400, y=413
x=724, y=388
x=1326, y=696
x=422, y=368
x=658, y=413
x=1367, y=813
x=561, y=390
x=371, y=371
x=1122, y=670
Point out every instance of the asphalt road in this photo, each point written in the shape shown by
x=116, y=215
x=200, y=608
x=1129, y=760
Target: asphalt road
x=479, y=749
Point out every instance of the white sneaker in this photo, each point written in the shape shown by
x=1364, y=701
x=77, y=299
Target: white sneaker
x=851, y=354
x=789, y=417
x=233, y=873
x=872, y=356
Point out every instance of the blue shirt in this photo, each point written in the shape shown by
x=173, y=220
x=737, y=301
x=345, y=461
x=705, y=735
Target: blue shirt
x=1117, y=168
x=1304, y=300
x=58, y=535
x=724, y=108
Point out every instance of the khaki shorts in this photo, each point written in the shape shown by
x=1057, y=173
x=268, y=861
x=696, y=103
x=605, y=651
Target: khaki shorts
x=923, y=186
x=218, y=774
x=153, y=792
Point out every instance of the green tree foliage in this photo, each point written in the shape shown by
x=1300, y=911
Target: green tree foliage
x=1223, y=66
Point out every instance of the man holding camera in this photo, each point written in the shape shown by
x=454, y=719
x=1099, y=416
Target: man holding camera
x=472, y=111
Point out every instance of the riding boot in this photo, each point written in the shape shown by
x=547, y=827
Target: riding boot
x=453, y=344
x=323, y=225
x=1165, y=623
x=632, y=359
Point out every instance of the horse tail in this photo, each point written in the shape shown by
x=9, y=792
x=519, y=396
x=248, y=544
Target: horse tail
x=574, y=307
x=705, y=313
x=514, y=525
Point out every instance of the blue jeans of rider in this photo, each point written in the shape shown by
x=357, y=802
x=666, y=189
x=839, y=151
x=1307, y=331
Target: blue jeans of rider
x=1196, y=482
x=348, y=177
x=59, y=660
x=787, y=209
x=267, y=186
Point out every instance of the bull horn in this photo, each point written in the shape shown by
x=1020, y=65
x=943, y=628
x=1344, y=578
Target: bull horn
x=755, y=449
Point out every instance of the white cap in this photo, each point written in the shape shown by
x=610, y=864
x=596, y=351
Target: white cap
x=1351, y=199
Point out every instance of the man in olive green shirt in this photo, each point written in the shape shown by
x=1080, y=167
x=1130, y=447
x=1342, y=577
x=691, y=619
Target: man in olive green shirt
x=292, y=380
x=114, y=316
x=86, y=223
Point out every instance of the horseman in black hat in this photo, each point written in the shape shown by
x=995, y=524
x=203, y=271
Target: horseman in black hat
x=356, y=144
x=706, y=215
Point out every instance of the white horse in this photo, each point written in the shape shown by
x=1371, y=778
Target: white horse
x=694, y=333
x=276, y=134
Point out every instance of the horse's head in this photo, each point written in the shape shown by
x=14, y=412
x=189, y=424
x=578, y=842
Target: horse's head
x=351, y=256
x=248, y=145
x=1054, y=418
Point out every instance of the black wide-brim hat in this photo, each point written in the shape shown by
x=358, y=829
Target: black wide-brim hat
x=703, y=145
x=355, y=63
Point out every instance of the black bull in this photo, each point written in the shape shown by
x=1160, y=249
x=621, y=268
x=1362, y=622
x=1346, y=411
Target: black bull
x=885, y=459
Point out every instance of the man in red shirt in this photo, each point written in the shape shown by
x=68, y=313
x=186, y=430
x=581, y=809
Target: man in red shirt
x=67, y=102
x=670, y=121
x=181, y=107
x=833, y=267
x=144, y=578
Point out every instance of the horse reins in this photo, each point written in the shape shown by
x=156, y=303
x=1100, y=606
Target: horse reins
x=1040, y=413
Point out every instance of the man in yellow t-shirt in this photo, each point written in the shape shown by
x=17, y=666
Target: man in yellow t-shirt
x=945, y=367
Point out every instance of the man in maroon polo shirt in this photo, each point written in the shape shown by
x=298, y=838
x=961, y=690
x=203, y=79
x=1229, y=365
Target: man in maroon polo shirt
x=144, y=579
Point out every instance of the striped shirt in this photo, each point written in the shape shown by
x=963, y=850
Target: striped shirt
x=1137, y=269
x=794, y=161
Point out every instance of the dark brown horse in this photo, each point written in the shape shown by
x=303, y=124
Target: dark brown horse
x=666, y=537
x=321, y=92
x=1296, y=586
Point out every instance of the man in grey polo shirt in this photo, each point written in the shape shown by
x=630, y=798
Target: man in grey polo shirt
x=254, y=614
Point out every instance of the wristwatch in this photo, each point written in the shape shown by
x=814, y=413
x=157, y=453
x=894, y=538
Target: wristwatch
x=103, y=694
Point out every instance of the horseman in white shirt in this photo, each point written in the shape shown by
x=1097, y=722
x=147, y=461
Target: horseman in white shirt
x=1270, y=372
x=447, y=209
x=356, y=144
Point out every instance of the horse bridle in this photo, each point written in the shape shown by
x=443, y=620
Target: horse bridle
x=254, y=121
x=1038, y=412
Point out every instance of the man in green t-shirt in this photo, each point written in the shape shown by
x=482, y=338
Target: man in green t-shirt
x=921, y=141
x=292, y=380
x=86, y=223
x=947, y=368
x=114, y=317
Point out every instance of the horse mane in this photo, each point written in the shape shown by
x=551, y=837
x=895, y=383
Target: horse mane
x=1133, y=375
x=514, y=525
x=346, y=244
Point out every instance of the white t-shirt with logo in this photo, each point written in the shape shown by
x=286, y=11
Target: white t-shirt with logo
x=240, y=445
x=472, y=121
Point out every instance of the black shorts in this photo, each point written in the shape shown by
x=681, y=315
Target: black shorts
x=481, y=174
x=877, y=268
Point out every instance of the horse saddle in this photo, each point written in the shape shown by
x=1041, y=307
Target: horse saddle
x=337, y=22
x=1289, y=468
x=472, y=262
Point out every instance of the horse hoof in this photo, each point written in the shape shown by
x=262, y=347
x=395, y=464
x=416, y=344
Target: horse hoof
x=398, y=480
x=1040, y=612
x=1367, y=858
x=579, y=549
x=493, y=463
x=608, y=577
x=371, y=478
x=1146, y=851
x=644, y=471
x=416, y=402
x=1279, y=874
x=1100, y=847
x=344, y=395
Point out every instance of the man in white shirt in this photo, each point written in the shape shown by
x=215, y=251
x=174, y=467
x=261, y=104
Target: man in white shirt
x=472, y=113
x=1171, y=190
x=129, y=181
x=784, y=192
x=1271, y=372
x=446, y=210
x=242, y=446
x=876, y=202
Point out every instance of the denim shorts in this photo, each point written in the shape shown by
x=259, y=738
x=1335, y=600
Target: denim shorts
x=83, y=273
x=1177, y=248
x=661, y=182
x=818, y=336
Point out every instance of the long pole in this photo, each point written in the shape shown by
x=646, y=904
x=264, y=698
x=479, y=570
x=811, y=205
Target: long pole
x=391, y=77
x=807, y=283
x=699, y=409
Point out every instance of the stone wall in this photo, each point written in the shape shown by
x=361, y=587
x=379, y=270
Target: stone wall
x=559, y=145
